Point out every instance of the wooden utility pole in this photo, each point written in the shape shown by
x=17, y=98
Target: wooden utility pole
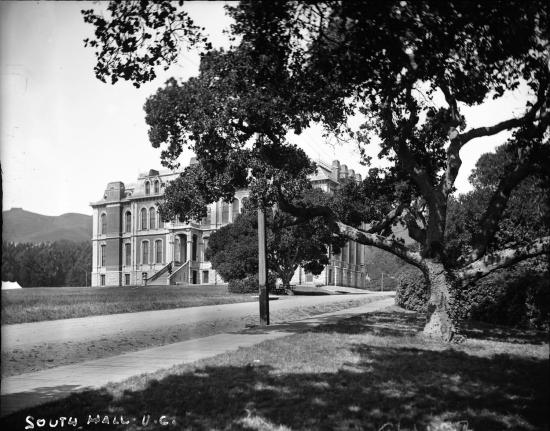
x=262, y=269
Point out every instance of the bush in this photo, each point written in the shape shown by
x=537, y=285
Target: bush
x=249, y=284
x=515, y=297
x=412, y=291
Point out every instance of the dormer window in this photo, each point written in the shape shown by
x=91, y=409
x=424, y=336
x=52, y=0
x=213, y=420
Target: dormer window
x=156, y=187
x=147, y=188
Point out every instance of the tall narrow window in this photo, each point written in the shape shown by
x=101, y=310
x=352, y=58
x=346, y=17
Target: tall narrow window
x=143, y=214
x=103, y=224
x=161, y=222
x=205, y=242
x=177, y=250
x=102, y=254
x=194, y=248
x=158, y=251
x=147, y=188
x=128, y=254
x=156, y=187
x=128, y=221
x=225, y=212
x=152, y=218
x=145, y=252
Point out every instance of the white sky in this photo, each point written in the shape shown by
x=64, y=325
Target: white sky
x=64, y=135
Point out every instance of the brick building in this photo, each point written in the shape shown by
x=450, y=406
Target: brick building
x=133, y=246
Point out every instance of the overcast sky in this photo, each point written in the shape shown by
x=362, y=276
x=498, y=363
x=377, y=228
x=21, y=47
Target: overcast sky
x=64, y=135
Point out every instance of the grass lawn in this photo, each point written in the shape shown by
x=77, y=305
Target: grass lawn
x=49, y=303
x=366, y=373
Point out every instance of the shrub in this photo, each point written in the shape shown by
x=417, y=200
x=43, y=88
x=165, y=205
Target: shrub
x=248, y=284
x=518, y=296
x=412, y=291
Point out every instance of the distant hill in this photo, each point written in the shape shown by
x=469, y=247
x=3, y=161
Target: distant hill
x=20, y=226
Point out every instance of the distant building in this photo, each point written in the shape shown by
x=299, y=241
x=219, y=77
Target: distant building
x=133, y=246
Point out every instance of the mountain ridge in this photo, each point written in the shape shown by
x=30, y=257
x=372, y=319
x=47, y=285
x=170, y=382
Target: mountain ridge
x=19, y=226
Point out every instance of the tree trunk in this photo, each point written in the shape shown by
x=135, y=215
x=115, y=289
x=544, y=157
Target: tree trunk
x=439, y=321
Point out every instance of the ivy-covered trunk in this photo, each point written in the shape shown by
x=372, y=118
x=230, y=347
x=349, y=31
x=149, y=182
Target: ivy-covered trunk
x=439, y=318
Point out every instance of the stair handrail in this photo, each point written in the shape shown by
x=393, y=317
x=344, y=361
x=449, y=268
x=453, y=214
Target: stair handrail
x=165, y=268
x=186, y=264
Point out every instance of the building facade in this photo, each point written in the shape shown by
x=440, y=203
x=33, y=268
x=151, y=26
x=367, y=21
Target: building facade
x=133, y=246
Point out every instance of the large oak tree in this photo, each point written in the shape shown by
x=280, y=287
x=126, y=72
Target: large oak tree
x=293, y=64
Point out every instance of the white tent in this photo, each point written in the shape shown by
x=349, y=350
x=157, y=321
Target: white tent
x=9, y=285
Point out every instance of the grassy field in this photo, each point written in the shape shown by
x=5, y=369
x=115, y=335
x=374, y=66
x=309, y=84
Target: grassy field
x=366, y=373
x=49, y=303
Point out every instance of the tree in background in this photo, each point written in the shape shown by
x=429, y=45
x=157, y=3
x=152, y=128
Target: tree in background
x=61, y=263
x=233, y=249
x=406, y=69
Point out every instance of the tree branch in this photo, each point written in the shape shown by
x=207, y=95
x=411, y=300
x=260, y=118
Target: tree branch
x=454, y=162
x=395, y=247
x=502, y=259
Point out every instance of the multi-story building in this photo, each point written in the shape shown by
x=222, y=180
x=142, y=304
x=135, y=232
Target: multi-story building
x=133, y=246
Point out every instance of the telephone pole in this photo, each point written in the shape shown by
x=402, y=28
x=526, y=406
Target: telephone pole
x=262, y=269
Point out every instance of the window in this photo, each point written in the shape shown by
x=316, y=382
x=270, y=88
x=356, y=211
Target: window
x=103, y=224
x=128, y=254
x=143, y=219
x=205, y=277
x=161, y=222
x=194, y=248
x=235, y=206
x=127, y=279
x=344, y=253
x=102, y=254
x=158, y=251
x=177, y=250
x=205, y=242
x=128, y=221
x=152, y=218
x=225, y=212
x=157, y=187
x=145, y=252
x=352, y=252
x=147, y=188
x=102, y=279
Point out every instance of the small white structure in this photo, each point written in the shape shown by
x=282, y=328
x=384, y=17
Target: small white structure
x=10, y=285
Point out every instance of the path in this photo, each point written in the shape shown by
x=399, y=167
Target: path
x=25, y=335
x=27, y=390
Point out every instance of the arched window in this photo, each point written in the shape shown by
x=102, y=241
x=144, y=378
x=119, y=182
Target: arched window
x=103, y=224
x=147, y=188
x=158, y=251
x=128, y=221
x=236, y=208
x=152, y=218
x=225, y=212
x=161, y=222
x=143, y=218
x=156, y=187
x=145, y=252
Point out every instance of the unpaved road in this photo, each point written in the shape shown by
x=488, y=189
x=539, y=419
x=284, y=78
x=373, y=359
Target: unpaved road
x=36, y=346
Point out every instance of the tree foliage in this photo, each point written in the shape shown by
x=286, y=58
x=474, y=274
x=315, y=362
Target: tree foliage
x=61, y=263
x=233, y=249
x=406, y=70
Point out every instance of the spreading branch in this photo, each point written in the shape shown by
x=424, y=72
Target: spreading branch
x=502, y=259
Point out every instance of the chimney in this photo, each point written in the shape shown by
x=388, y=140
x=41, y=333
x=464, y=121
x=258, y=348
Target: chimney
x=343, y=172
x=335, y=169
x=351, y=174
x=358, y=178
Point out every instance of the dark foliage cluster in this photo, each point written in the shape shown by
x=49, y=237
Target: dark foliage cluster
x=61, y=263
x=518, y=296
x=249, y=284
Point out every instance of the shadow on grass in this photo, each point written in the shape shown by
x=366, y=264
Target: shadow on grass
x=403, y=387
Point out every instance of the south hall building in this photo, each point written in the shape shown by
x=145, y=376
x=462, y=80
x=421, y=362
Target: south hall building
x=133, y=246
